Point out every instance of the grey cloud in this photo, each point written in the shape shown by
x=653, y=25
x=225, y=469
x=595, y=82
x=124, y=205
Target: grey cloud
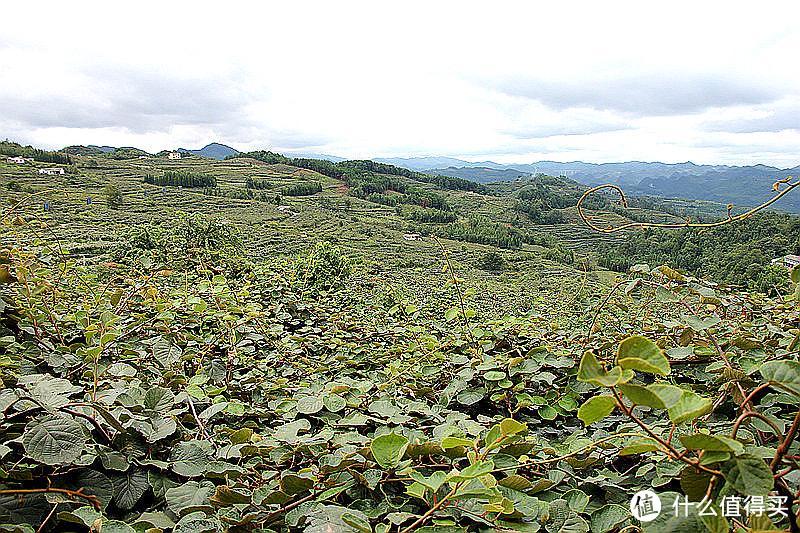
x=565, y=128
x=140, y=101
x=146, y=101
x=641, y=95
x=780, y=117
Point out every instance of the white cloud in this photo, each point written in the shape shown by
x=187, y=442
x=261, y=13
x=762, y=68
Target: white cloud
x=516, y=81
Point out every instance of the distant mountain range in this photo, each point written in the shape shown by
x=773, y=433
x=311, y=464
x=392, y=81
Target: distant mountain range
x=213, y=150
x=431, y=162
x=740, y=185
x=481, y=174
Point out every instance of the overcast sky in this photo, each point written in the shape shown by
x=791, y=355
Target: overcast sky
x=710, y=82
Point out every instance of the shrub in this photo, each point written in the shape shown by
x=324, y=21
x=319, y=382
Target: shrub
x=325, y=268
x=113, y=195
x=303, y=189
x=186, y=241
x=493, y=262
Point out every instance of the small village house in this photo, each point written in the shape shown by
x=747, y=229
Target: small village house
x=52, y=171
x=174, y=155
x=19, y=160
x=789, y=261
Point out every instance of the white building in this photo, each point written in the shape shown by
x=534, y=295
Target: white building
x=789, y=261
x=52, y=171
x=174, y=155
x=19, y=160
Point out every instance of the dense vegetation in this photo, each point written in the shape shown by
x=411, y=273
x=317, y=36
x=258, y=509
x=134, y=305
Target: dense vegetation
x=484, y=231
x=12, y=149
x=256, y=183
x=737, y=254
x=125, y=152
x=304, y=367
x=303, y=189
x=362, y=170
x=181, y=178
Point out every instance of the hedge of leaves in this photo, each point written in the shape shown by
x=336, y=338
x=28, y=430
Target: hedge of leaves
x=140, y=398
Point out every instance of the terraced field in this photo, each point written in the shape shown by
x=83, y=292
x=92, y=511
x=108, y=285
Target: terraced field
x=372, y=234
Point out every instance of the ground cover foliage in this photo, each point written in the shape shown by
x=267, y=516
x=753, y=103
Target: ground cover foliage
x=178, y=386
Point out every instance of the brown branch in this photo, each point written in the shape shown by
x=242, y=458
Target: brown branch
x=787, y=442
x=748, y=414
x=73, y=494
x=671, y=451
x=92, y=420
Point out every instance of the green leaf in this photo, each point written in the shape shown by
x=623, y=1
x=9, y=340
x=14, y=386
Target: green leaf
x=473, y=471
x=85, y=515
x=640, y=353
x=700, y=324
x=494, y=375
x=191, y=458
x=591, y=371
x=577, y=500
x=608, y=517
x=334, y=403
x=715, y=521
x=454, y=442
x=388, y=449
x=129, y=488
x=596, y=408
x=356, y=522
x=159, y=399
x=54, y=440
x=547, y=412
x=165, y=352
x=783, y=374
x=433, y=482
x=641, y=395
x=116, y=526
x=694, y=483
x=190, y=494
x=509, y=427
x=515, y=482
x=416, y=489
x=638, y=446
x=157, y=519
x=712, y=443
x=288, y=432
x=795, y=275
x=668, y=394
x=98, y=484
x=689, y=406
x=309, y=405
x=470, y=396
x=295, y=484
x=749, y=475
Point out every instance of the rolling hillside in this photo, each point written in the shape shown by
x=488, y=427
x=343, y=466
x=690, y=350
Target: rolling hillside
x=216, y=345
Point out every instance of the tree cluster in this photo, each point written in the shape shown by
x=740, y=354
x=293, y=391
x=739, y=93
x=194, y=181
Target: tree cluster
x=181, y=178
